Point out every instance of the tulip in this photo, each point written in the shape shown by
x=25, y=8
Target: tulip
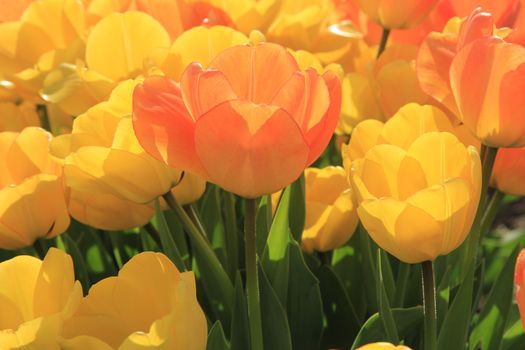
x=149, y=305
x=508, y=173
x=35, y=298
x=417, y=184
x=31, y=191
x=102, y=154
x=397, y=14
x=369, y=96
x=489, y=93
x=331, y=216
x=519, y=280
x=48, y=34
x=246, y=125
x=12, y=10
x=211, y=41
x=383, y=346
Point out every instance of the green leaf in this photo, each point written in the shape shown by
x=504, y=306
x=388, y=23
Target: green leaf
x=305, y=310
x=275, y=259
x=407, y=321
x=216, y=338
x=385, y=312
x=347, y=264
x=297, y=211
x=78, y=262
x=369, y=270
x=276, y=332
x=454, y=331
x=240, y=332
x=213, y=222
x=168, y=244
x=443, y=297
x=264, y=222
x=514, y=338
x=342, y=322
x=488, y=333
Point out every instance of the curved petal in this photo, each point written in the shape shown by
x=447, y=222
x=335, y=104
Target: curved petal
x=184, y=51
x=250, y=75
x=107, y=212
x=163, y=125
x=509, y=171
x=129, y=38
x=489, y=92
x=250, y=149
x=364, y=137
x=203, y=90
x=318, y=136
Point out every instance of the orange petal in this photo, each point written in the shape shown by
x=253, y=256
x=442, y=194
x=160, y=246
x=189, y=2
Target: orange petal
x=257, y=72
x=203, y=90
x=318, y=136
x=489, y=91
x=250, y=149
x=163, y=125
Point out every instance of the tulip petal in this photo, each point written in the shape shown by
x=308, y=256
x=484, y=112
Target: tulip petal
x=184, y=51
x=163, y=125
x=364, y=137
x=489, y=92
x=441, y=156
x=130, y=38
x=107, y=212
x=203, y=90
x=250, y=149
x=250, y=75
x=411, y=121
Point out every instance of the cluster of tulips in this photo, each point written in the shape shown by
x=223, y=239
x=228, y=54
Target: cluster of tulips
x=261, y=174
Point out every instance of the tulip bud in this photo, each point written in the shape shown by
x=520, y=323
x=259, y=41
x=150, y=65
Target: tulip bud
x=331, y=216
x=36, y=298
x=32, y=202
x=115, y=313
x=417, y=184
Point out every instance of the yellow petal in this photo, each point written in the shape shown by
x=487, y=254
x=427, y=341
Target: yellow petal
x=129, y=39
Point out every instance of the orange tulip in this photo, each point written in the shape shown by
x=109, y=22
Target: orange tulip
x=519, y=280
x=509, y=171
x=439, y=49
x=251, y=122
x=487, y=78
x=12, y=10
x=397, y=14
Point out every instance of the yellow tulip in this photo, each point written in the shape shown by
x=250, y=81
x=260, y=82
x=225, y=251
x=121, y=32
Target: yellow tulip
x=212, y=40
x=32, y=202
x=35, y=298
x=370, y=95
x=103, y=155
x=48, y=34
x=417, y=184
x=331, y=216
x=149, y=305
x=383, y=346
x=119, y=47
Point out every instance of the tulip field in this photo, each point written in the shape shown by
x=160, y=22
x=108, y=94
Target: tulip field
x=262, y=174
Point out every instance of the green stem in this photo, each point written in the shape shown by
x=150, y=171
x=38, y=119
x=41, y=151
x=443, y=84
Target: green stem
x=474, y=238
x=230, y=216
x=202, y=245
x=190, y=211
x=429, y=303
x=252, y=282
x=491, y=211
x=382, y=43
